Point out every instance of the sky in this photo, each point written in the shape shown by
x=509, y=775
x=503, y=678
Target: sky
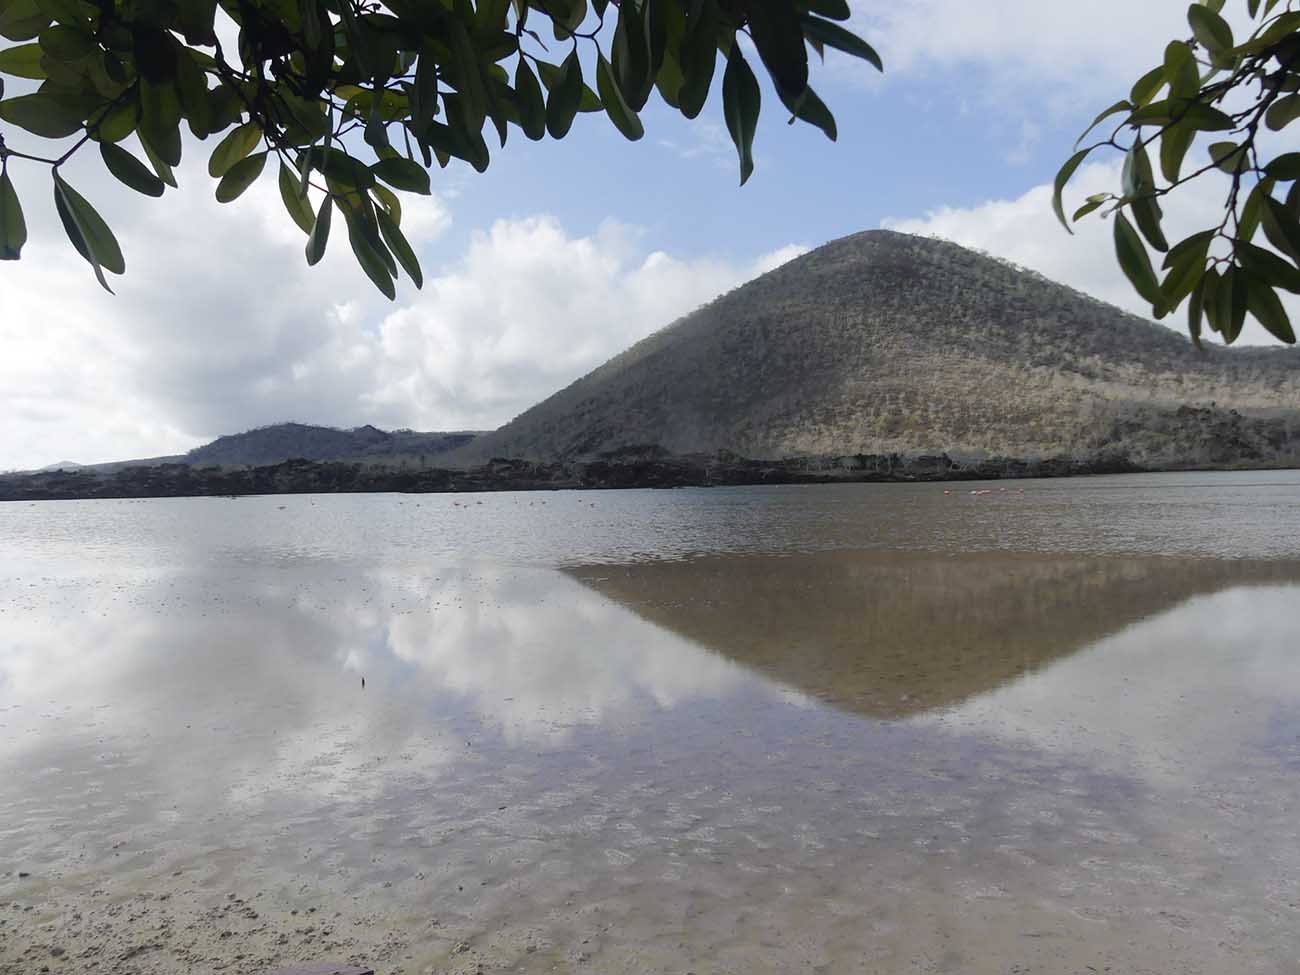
x=563, y=253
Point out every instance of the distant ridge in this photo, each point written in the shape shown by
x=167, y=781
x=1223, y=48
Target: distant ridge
x=280, y=442
x=886, y=343
x=301, y=441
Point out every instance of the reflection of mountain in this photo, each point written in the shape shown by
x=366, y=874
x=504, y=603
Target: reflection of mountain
x=892, y=634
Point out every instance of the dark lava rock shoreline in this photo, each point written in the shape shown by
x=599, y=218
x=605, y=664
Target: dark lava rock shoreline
x=334, y=477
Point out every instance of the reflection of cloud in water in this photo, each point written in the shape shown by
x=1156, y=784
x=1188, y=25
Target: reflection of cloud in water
x=537, y=653
x=216, y=687
x=1178, y=698
x=539, y=768
x=249, y=686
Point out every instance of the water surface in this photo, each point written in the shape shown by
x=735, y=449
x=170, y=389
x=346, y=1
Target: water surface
x=856, y=728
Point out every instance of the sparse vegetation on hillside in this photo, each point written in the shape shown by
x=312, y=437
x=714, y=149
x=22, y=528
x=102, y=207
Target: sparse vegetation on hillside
x=885, y=343
x=301, y=441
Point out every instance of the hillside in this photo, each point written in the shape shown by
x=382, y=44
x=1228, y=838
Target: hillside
x=300, y=441
x=883, y=343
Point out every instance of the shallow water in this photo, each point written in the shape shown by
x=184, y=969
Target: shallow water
x=856, y=728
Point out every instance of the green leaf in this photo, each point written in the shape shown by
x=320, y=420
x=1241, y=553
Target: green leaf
x=88, y=232
x=1058, y=188
x=811, y=109
x=43, y=115
x=1209, y=291
x=13, y=228
x=21, y=20
x=1195, y=311
x=1195, y=114
x=376, y=132
x=469, y=81
x=1281, y=228
x=1210, y=29
x=130, y=170
x=1181, y=71
x=1185, y=273
x=389, y=201
x=1134, y=261
x=403, y=174
x=1228, y=156
x=1253, y=211
x=1120, y=106
x=65, y=43
x=23, y=61
x=1137, y=178
x=240, y=177
x=699, y=57
x=776, y=30
x=630, y=54
x=1231, y=297
x=741, y=103
x=159, y=166
x=624, y=119
x=1145, y=88
x=341, y=168
x=299, y=206
x=196, y=21
x=1198, y=243
x=1269, y=267
x=837, y=37
x=491, y=16
x=320, y=231
x=401, y=249
x=567, y=17
x=1283, y=112
x=66, y=11
x=1147, y=213
x=160, y=119
x=551, y=75
x=1174, y=143
x=192, y=87
x=373, y=259
x=1094, y=202
x=532, y=106
x=562, y=105
x=670, y=78
x=1264, y=304
x=1285, y=167
x=118, y=123
x=237, y=144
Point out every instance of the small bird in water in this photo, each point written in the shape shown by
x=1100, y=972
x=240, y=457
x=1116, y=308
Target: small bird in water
x=363, y=683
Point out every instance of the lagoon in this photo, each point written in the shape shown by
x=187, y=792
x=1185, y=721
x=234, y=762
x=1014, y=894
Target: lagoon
x=877, y=728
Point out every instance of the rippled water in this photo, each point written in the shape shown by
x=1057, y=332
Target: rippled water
x=870, y=728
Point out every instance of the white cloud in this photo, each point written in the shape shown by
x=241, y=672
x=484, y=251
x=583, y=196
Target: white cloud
x=1025, y=230
x=528, y=310
x=219, y=325
x=709, y=141
x=1144, y=706
x=1088, y=46
x=1009, y=59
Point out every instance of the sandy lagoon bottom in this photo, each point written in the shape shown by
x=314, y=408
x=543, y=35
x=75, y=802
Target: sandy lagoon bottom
x=823, y=762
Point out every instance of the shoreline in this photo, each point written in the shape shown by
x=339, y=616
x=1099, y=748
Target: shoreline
x=338, y=477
